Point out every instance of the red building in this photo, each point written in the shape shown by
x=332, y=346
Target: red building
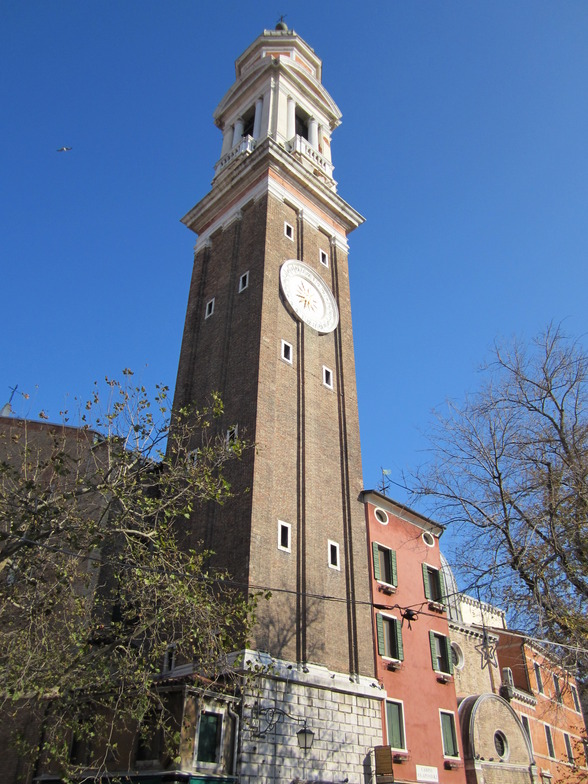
x=545, y=696
x=413, y=655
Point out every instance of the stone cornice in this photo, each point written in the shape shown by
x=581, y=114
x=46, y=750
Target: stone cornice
x=238, y=182
x=256, y=81
x=489, y=608
x=311, y=675
x=524, y=697
x=283, y=39
x=471, y=631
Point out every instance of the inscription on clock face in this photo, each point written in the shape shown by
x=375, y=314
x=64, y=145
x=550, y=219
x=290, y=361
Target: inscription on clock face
x=309, y=296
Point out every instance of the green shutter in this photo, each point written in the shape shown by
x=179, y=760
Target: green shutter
x=393, y=570
x=448, y=732
x=380, y=632
x=449, y=656
x=433, y=645
x=376, y=554
x=442, y=592
x=394, y=721
x=399, y=645
x=426, y=582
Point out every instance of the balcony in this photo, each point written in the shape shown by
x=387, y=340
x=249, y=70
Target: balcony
x=243, y=147
x=300, y=147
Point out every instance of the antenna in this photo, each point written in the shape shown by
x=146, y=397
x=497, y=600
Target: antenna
x=384, y=485
x=7, y=409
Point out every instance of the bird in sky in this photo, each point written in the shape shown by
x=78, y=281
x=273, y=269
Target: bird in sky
x=64, y=149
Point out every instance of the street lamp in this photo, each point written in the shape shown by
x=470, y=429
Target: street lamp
x=273, y=716
x=305, y=737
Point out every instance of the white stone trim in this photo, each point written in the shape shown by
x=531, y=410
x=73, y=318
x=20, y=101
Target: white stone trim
x=311, y=217
x=273, y=188
x=315, y=675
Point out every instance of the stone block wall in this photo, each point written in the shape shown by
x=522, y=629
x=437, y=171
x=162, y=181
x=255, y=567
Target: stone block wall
x=344, y=715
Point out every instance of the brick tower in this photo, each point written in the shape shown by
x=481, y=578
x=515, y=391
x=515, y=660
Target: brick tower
x=268, y=325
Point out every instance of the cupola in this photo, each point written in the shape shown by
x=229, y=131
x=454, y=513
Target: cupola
x=278, y=95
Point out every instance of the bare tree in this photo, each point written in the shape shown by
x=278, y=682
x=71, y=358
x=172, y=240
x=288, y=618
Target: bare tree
x=100, y=584
x=510, y=473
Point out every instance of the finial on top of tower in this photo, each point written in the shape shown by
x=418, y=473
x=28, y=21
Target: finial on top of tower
x=281, y=25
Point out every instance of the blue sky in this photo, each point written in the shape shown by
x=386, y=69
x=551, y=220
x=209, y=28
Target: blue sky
x=463, y=143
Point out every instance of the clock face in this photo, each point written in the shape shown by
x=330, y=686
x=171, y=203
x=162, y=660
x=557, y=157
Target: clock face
x=309, y=296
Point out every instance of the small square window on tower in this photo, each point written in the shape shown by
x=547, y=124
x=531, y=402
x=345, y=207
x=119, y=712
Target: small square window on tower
x=209, y=310
x=284, y=536
x=324, y=258
x=287, y=352
x=334, y=555
x=327, y=377
x=232, y=436
x=243, y=281
x=289, y=231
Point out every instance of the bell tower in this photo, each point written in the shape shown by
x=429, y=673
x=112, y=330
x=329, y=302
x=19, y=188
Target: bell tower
x=268, y=325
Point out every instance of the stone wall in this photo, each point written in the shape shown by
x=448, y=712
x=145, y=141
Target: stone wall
x=344, y=715
x=470, y=677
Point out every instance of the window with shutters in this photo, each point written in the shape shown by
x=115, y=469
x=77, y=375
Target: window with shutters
x=549, y=739
x=557, y=687
x=569, y=751
x=395, y=725
x=448, y=734
x=433, y=585
x=441, y=653
x=384, y=564
x=527, y=728
x=209, y=736
x=538, y=677
x=389, y=637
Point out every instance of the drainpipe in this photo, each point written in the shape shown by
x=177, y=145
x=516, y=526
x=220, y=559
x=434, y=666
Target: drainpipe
x=234, y=716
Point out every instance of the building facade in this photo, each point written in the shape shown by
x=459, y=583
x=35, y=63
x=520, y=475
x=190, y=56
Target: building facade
x=496, y=746
x=546, y=698
x=519, y=710
x=414, y=664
